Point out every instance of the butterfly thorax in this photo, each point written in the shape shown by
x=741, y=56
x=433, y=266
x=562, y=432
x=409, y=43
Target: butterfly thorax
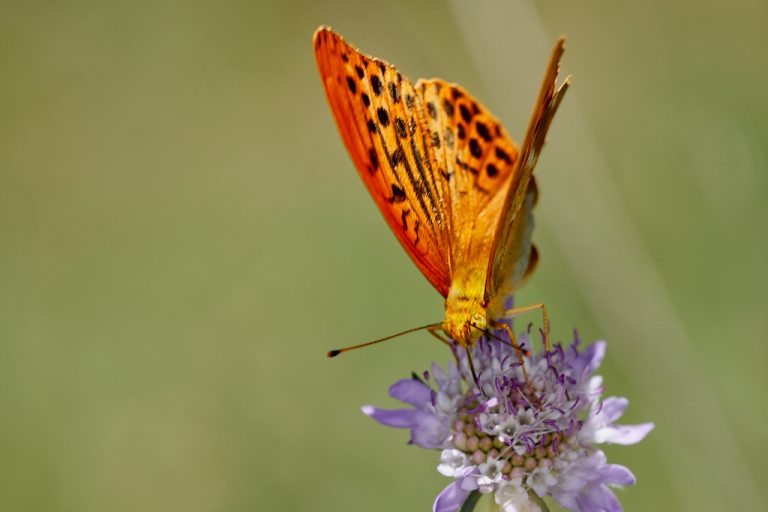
x=465, y=313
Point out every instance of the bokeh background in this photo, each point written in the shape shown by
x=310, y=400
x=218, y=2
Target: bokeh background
x=182, y=237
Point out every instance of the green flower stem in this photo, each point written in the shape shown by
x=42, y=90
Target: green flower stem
x=474, y=498
x=537, y=500
x=471, y=501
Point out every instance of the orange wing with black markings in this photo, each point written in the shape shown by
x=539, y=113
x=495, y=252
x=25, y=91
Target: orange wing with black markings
x=381, y=121
x=436, y=162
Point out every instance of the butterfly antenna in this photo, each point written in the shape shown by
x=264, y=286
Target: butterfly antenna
x=334, y=353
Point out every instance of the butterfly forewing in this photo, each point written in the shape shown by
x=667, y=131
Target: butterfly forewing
x=382, y=125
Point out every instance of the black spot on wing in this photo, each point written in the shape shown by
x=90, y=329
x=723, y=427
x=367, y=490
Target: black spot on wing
x=474, y=148
x=466, y=115
x=398, y=194
x=502, y=155
x=431, y=110
x=366, y=100
x=383, y=116
x=394, y=92
x=374, y=159
x=359, y=71
x=376, y=85
x=351, y=84
x=397, y=157
x=491, y=170
x=448, y=107
x=371, y=126
x=400, y=128
x=482, y=131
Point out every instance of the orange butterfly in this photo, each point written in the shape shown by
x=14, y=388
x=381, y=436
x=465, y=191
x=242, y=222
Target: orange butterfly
x=453, y=187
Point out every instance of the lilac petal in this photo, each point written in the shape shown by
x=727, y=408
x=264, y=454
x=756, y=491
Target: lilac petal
x=430, y=431
x=447, y=381
x=616, y=474
x=589, y=360
x=623, y=434
x=439, y=374
x=451, y=498
x=613, y=408
x=565, y=500
x=598, y=498
x=411, y=391
x=398, y=418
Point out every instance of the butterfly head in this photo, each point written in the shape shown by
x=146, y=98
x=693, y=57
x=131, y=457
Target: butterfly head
x=466, y=323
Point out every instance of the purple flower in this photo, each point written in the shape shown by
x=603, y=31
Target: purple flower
x=513, y=433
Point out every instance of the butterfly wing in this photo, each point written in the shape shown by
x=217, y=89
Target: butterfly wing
x=437, y=163
x=512, y=257
x=382, y=124
x=476, y=159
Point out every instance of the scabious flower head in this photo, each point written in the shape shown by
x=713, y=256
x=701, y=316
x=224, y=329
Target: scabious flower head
x=514, y=432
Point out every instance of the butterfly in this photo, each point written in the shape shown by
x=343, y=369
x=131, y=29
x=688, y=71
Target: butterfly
x=454, y=188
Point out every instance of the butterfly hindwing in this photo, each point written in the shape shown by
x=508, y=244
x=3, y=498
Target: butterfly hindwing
x=383, y=126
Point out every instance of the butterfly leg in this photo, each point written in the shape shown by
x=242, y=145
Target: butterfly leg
x=519, y=351
x=511, y=313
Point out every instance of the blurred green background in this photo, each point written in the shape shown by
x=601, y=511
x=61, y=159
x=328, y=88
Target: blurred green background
x=182, y=236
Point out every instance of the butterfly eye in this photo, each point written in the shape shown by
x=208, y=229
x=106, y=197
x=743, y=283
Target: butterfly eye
x=479, y=321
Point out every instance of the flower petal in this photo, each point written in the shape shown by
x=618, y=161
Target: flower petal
x=616, y=474
x=598, y=498
x=429, y=430
x=513, y=498
x=398, y=418
x=613, y=407
x=452, y=463
x=623, y=434
x=589, y=360
x=451, y=498
x=447, y=381
x=411, y=391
